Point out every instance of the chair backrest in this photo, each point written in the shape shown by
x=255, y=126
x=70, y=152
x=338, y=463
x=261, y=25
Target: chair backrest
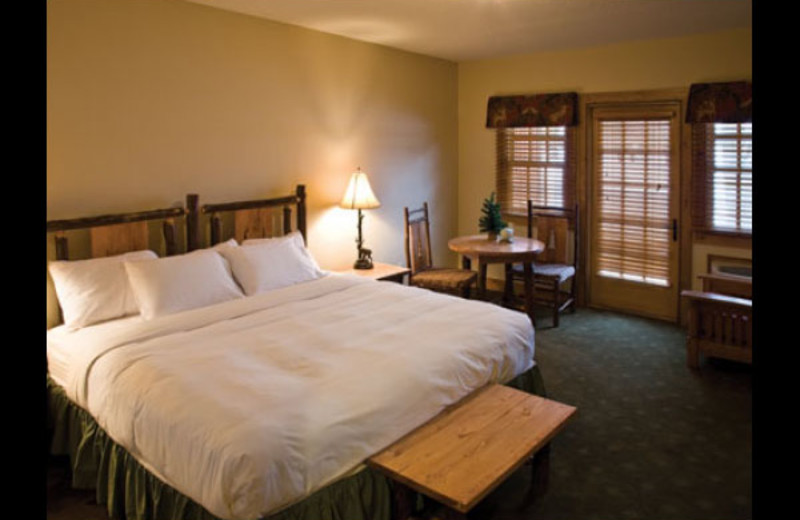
x=553, y=225
x=418, y=239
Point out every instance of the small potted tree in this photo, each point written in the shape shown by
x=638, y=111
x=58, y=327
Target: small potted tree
x=491, y=221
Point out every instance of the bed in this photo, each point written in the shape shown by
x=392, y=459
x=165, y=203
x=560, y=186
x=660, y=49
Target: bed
x=259, y=392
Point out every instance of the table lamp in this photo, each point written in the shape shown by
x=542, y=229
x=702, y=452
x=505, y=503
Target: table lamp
x=359, y=196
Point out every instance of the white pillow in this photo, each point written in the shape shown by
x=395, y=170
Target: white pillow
x=224, y=245
x=221, y=248
x=179, y=283
x=94, y=290
x=295, y=236
x=269, y=264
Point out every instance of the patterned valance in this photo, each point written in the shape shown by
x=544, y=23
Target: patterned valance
x=730, y=102
x=535, y=110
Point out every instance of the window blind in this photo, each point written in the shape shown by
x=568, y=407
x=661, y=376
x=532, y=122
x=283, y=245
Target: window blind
x=536, y=163
x=722, y=177
x=634, y=236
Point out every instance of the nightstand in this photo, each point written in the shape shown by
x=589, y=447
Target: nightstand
x=379, y=271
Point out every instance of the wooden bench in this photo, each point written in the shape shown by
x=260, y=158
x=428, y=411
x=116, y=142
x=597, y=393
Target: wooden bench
x=469, y=449
x=738, y=286
x=719, y=326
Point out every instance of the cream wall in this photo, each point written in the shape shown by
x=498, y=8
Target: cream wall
x=150, y=100
x=646, y=65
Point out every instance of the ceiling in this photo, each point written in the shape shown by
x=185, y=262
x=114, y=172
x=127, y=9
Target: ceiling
x=464, y=30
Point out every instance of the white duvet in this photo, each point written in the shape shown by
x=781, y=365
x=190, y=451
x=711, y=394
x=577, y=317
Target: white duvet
x=250, y=405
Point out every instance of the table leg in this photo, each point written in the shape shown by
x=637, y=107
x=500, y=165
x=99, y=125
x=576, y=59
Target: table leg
x=508, y=288
x=481, y=279
x=527, y=270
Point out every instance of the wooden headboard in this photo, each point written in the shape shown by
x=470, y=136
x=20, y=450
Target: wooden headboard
x=117, y=233
x=262, y=218
x=110, y=235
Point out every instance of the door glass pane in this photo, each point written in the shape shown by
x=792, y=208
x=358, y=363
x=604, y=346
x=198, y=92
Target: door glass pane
x=634, y=219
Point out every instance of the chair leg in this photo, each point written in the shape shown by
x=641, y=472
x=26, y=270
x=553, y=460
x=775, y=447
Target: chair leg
x=572, y=293
x=530, y=287
x=556, y=301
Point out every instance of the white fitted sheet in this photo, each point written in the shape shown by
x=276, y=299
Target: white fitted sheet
x=250, y=405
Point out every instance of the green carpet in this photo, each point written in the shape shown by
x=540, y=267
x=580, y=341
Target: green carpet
x=651, y=439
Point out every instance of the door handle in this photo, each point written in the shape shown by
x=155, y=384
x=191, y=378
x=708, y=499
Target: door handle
x=674, y=230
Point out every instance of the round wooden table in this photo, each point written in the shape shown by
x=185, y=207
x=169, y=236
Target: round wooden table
x=522, y=250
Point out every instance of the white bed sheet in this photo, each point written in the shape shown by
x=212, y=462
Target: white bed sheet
x=250, y=405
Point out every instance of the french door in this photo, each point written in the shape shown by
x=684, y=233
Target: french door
x=633, y=253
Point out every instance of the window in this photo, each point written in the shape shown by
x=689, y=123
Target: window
x=535, y=163
x=732, y=193
x=723, y=177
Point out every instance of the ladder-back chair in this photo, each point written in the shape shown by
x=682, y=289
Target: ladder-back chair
x=419, y=258
x=557, y=265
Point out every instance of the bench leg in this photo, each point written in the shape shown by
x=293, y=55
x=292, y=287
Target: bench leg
x=540, y=471
x=692, y=354
x=402, y=502
x=404, y=506
x=445, y=513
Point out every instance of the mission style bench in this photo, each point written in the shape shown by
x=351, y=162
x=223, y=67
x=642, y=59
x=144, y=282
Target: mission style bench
x=469, y=449
x=720, y=320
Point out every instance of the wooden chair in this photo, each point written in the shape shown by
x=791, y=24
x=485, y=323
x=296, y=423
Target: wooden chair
x=720, y=320
x=419, y=259
x=554, y=270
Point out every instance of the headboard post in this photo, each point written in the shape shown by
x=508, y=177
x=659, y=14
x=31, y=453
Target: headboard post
x=192, y=222
x=62, y=248
x=287, y=220
x=216, y=229
x=170, y=245
x=301, y=210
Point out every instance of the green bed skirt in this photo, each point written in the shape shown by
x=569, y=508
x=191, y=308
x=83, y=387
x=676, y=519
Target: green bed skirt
x=130, y=491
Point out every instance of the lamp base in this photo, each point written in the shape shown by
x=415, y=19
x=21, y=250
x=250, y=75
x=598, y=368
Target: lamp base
x=363, y=263
x=364, y=257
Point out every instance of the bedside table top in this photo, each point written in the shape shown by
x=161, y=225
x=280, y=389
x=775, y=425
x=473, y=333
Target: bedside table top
x=379, y=271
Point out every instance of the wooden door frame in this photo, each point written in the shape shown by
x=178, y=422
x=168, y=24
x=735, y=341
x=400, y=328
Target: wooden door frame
x=587, y=103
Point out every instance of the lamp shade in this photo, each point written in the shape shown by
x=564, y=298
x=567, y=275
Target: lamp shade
x=359, y=194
